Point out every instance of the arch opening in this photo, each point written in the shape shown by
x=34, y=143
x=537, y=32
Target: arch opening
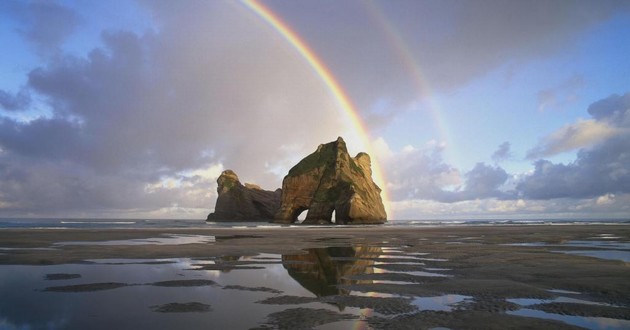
x=300, y=215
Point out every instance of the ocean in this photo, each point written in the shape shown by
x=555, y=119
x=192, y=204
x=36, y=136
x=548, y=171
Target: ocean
x=70, y=223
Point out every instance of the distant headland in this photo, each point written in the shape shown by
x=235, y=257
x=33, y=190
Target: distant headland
x=326, y=181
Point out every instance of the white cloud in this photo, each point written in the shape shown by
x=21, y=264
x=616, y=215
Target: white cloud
x=599, y=208
x=605, y=199
x=583, y=133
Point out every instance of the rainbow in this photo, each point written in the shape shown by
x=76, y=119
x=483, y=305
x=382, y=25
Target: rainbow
x=331, y=83
x=421, y=85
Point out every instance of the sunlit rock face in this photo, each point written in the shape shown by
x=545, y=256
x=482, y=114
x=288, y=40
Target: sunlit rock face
x=238, y=202
x=330, y=180
x=322, y=270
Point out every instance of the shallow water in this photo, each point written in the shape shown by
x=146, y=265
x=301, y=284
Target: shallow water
x=163, y=240
x=25, y=304
x=108, y=293
x=609, y=250
x=440, y=303
x=580, y=321
x=601, y=254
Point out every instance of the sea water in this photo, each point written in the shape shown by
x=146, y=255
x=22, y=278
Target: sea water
x=69, y=223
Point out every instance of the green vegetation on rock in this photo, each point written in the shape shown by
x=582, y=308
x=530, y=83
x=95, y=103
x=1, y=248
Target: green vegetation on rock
x=324, y=155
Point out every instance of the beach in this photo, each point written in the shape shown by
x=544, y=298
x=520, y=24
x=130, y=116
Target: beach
x=371, y=277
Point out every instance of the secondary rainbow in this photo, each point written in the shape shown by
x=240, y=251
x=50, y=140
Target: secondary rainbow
x=398, y=44
x=333, y=86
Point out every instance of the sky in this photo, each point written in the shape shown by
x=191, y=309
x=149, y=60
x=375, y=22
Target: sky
x=470, y=109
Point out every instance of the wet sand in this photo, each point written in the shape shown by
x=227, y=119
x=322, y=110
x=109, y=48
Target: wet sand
x=489, y=265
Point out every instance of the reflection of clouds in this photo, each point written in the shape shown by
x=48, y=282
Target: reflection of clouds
x=439, y=303
x=178, y=239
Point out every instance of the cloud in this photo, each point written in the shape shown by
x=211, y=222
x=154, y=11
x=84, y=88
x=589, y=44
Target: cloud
x=143, y=109
x=421, y=173
x=502, y=153
x=613, y=108
x=14, y=102
x=565, y=92
x=483, y=181
x=598, y=176
x=466, y=40
x=583, y=133
x=416, y=173
x=602, y=169
x=45, y=24
x=587, y=208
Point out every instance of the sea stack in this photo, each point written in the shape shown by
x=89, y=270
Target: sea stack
x=248, y=202
x=330, y=180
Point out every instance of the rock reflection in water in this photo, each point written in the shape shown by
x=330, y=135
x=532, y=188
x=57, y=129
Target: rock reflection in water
x=320, y=270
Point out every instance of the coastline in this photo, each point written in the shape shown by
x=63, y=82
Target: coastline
x=491, y=266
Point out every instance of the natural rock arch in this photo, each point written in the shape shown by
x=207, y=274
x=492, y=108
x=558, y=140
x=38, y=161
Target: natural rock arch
x=328, y=181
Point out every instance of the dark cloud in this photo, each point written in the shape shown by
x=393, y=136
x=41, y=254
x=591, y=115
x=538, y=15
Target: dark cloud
x=482, y=182
x=612, y=108
x=145, y=110
x=46, y=24
x=49, y=139
x=67, y=189
x=14, y=102
x=502, y=153
x=446, y=43
x=601, y=169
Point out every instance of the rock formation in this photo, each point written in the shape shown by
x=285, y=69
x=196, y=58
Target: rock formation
x=330, y=180
x=238, y=202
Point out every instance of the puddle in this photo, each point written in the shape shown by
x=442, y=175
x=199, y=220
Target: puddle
x=530, y=301
x=439, y=303
x=377, y=263
x=527, y=244
x=599, y=244
x=374, y=294
x=414, y=273
x=166, y=240
x=392, y=282
x=608, y=250
x=580, y=321
x=601, y=254
x=143, y=284
x=563, y=291
x=433, y=259
x=397, y=256
x=605, y=236
x=132, y=261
